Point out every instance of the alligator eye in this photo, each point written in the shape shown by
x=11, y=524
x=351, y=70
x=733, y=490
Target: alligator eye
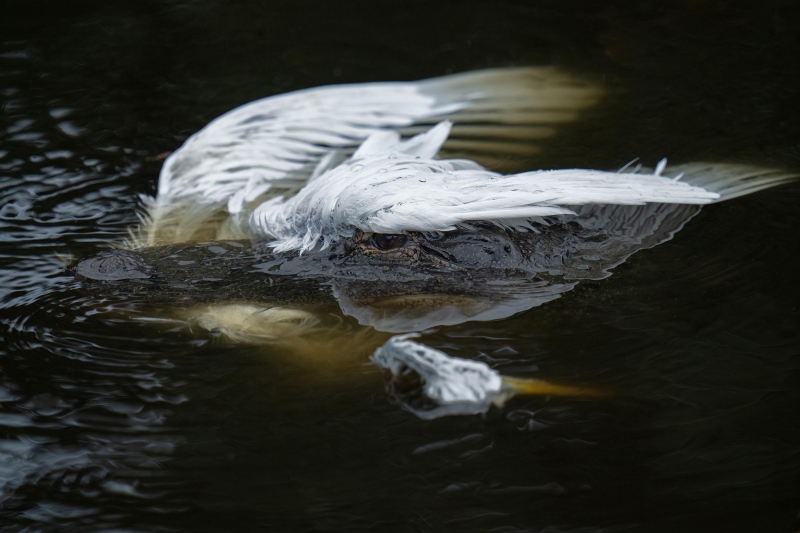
x=387, y=241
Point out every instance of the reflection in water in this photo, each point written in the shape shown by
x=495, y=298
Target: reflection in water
x=114, y=424
x=547, y=262
x=418, y=311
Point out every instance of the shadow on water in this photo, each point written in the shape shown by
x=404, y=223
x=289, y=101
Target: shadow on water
x=108, y=423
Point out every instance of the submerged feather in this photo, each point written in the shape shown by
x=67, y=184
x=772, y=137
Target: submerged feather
x=456, y=386
x=277, y=167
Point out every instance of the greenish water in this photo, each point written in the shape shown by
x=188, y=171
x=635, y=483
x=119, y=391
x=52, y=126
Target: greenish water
x=109, y=424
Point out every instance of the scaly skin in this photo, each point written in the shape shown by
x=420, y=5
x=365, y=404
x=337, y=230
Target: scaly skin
x=456, y=262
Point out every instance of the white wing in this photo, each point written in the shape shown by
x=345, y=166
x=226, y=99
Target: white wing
x=404, y=191
x=273, y=145
x=282, y=138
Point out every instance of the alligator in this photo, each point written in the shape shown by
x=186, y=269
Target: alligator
x=392, y=283
x=315, y=198
x=483, y=269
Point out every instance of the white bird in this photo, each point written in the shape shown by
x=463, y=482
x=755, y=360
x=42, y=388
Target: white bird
x=240, y=176
x=305, y=170
x=273, y=146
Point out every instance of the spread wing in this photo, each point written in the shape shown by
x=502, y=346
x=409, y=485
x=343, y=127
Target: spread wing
x=393, y=187
x=272, y=146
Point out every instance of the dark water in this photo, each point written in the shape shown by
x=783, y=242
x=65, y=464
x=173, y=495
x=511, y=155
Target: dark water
x=107, y=424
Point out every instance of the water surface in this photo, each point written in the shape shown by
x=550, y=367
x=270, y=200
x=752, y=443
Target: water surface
x=114, y=424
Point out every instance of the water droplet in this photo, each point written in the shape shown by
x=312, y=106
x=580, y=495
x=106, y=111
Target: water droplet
x=392, y=156
x=356, y=168
x=422, y=180
x=382, y=171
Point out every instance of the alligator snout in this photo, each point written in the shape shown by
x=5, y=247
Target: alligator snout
x=113, y=265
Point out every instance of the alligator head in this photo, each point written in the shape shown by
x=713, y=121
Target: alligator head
x=394, y=282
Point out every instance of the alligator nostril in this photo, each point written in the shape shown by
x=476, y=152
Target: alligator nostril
x=113, y=265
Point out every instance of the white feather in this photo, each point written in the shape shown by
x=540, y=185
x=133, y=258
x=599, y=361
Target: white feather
x=281, y=138
x=457, y=386
x=272, y=146
x=403, y=189
x=227, y=180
